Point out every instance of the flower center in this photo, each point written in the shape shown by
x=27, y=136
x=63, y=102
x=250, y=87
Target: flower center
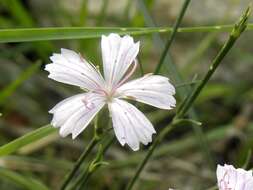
x=109, y=91
x=110, y=94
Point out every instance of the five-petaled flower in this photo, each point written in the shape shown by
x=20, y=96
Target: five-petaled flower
x=73, y=114
x=230, y=178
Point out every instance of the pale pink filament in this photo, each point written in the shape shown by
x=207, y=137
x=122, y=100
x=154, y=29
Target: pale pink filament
x=126, y=77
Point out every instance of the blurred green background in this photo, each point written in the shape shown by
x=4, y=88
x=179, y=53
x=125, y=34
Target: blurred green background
x=224, y=107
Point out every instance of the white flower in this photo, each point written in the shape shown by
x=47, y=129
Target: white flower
x=73, y=114
x=230, y=178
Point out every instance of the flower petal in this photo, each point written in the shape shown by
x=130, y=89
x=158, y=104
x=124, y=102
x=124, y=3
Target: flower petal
x=70, y=68
x=154, y=90
x=130, y=125
x=229, y=177
x=249, y=185
x=74, y=114
x=118, y=54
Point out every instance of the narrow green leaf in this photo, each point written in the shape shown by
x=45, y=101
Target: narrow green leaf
x=6, y=92
x=236, y=32
x=31, y=137
x=64, y=33
x=179, y=122
x=247, y=160
x=172, y=35
x=102, y=14
x=22, y=181
x=35, y=164
x=18, y=12
x=21, y=17
x=83, y=13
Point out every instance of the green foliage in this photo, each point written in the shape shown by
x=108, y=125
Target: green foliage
x=68, y=33
x=223, y=106
x=22, y=181
x=7, y=91
x=29, y=138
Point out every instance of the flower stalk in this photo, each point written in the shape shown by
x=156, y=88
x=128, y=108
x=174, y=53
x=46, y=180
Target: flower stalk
x=91, y=145
x=82, y=180
x=80, y=160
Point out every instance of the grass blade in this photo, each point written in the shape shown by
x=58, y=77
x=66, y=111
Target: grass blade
x=172, y=36
x=83, y=13
x=234, y=35
x=65, y=33
x=24, y=18
x=18, y=12
x=22, y=181
x=31, y=137
x=6, y=92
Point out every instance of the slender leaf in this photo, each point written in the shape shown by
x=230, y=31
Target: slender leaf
x=6, y=92
x=83, y=13
x=31, y=137
x=22, y=181
x=102, y=14
x=64, y=33
x=18, y=12
x=24, y=18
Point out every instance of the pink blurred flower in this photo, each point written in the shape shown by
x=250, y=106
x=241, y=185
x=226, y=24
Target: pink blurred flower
x=230, y=178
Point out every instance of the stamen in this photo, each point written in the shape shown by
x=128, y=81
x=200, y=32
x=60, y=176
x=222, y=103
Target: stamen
x=96, y=68
x=127, y=76
x=101, y=91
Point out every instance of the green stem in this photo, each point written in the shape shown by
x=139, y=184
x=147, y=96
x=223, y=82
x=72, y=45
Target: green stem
x=96, y=138
x=191, y=83
x=92, y=167
x=247, y=160
x=148, y=155
x=234, y=35
x=172, y=35
x=96, y=163
x=83, y=13
x=102, y=13
x=8, y=90
x=157, y=141
x=80, y=160
x=172, y=70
